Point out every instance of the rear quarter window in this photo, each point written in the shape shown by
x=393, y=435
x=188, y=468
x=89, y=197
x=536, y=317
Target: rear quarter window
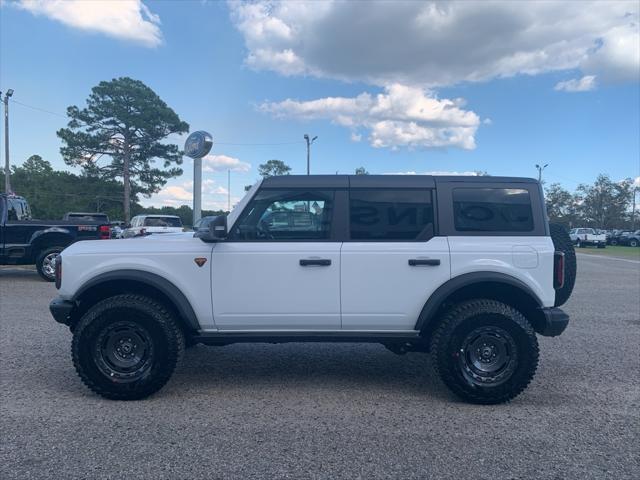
x=492, y=210
x=162, y=222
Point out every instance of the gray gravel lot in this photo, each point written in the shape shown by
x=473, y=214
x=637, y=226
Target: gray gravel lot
x=324, y=410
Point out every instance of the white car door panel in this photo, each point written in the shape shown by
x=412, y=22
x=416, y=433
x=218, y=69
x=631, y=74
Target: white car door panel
x=386, y=284
x=276, y=285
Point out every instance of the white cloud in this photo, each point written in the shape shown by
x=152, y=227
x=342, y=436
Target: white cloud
x=440, y=43
x=356, y=137
x=125, y=19
x=222, y=163
x=401, y=116
x=584, y=84
x=214, y=196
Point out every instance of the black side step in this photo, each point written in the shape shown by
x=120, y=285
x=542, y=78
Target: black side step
x=225, y=338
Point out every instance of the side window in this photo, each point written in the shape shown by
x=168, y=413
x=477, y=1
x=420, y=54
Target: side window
x=282, y=215
x=492, y=210
x=15, y=211
x=390, y=214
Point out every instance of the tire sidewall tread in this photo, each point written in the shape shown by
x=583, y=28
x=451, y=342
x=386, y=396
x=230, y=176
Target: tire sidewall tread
x=164, y=329
x=445, y=363
x=562, y=242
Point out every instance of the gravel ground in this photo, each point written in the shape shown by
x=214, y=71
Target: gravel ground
x=327, y=410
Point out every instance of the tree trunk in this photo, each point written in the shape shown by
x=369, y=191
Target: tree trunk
x=127, y=183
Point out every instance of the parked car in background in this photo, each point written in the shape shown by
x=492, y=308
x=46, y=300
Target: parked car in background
x=146, y=224
x=87, y=217
x=25, y=241
x=582, y=237
x=117, y=227
x=631, y=239
x=617, y=237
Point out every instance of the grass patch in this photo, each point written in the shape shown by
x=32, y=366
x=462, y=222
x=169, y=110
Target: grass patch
x=618, y=251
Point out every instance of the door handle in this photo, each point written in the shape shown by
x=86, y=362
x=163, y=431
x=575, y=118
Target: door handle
x=319, y=262
x=432, y=262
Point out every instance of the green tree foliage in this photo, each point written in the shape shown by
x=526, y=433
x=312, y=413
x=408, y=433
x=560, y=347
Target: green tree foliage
x=562, y=206
x=273, y=168
x=361, y=171
x=605, y=203
x=119, y=136
x=53, y=193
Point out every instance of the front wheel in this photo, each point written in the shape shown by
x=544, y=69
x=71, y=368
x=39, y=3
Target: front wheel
x=126, y=347
x=485, y=351
x=46, y=263
x=633, y=243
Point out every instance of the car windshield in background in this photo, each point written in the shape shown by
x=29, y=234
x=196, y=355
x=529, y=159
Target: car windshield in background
x=162, y=222
x=90, y=218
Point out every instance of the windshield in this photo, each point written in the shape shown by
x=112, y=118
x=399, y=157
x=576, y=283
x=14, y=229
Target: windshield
x=88, y=217
x=162, y=222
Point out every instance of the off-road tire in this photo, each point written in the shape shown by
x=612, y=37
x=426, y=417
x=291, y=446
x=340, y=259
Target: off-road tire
x=43, y=269
x=562, y=243
x=448, y=357
x=164, y=345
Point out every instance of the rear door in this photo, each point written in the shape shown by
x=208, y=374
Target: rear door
x=392, y=261
x=279, y=269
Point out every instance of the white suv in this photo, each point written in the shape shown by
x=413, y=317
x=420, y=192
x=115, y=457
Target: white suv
x=145, y=224
x=466, y=268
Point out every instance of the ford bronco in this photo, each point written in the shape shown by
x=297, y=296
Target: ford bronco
x=465, y=268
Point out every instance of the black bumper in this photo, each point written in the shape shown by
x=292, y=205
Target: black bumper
x=61, y=310
x=555, y=322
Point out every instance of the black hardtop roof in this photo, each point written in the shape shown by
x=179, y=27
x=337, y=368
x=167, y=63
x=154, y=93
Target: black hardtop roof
x=381, y=181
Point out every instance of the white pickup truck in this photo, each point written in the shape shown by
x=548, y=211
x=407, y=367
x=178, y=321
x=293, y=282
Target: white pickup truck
x=582, y=237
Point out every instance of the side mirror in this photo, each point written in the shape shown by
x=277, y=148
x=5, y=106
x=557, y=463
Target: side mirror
x=217, y=230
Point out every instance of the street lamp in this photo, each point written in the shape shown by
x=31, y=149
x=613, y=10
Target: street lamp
x=540, y=170
x=7, y=172
x=309, y=143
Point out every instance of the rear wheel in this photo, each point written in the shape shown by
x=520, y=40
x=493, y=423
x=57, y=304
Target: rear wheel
x=126, y=347
x=46, y=263
x=485, y=351
x=562, y=243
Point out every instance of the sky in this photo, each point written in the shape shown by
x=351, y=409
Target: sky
x=395, y=87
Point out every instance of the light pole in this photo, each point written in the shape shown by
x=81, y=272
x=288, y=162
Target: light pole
x=540, y=170
x=229, y=190
x=7, y=171
x=309, y=143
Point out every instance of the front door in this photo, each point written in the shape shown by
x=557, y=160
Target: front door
x=279, y=268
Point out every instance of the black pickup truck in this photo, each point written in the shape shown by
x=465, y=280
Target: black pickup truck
x=25, y=241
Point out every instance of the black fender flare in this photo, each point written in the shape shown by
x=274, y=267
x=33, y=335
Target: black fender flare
x=173, y=293
x=448, y=288
x=40, y=237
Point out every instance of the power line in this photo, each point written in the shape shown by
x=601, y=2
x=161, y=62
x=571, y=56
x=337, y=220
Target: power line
x=266, y=144
x=38, y=108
